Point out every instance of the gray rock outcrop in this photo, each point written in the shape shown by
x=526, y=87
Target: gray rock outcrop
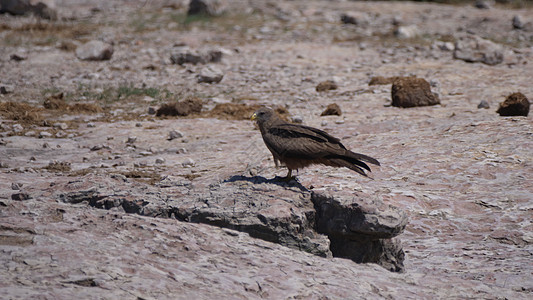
x=472, y=48
x=359, y=228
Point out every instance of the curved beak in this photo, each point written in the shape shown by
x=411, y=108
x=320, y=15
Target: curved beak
x=254, y=116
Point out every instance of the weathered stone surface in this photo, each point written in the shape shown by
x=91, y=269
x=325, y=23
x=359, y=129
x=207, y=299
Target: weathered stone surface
x=269, y=210
x=352, y=216
x=92, y=253
x=515, y=104
x=471, y=48
x=94, y=50
x=411, y=92
x=264, y=209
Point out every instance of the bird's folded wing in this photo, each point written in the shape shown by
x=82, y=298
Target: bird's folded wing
x=291, y=140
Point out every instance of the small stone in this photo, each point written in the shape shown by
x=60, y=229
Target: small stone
x=30, y=133
x=339, y=121
x=146, y=153
x=18, y=57
x=44, y=134
x=46, y=146
x=61, y=134
x=326, y=86
x=297, y=119
x=3, y=165
x=20, y=196
x=332, y=110
x=349, y=19
x=17, y=128
x=188, y=163
x=159, y=160
x=445, y=46
x=151, y=110
x=407, y=32
x=97, y=147
x=207, y=7
x=184, y=57
x=131, y=140
x=411, y=92
x=482, y=4
x=16, y=186
x=94, y=50
x=62, y=126
x=6, y=89
x=138, y=125
x=324, y=123
x=181, y=151
x=119, y=177
x=483, y=104
x=148, y=99
x=515, y=104
x=518, y=23
x=210, y=74
x=141, y=164
x=91, y=125
x=173, y=134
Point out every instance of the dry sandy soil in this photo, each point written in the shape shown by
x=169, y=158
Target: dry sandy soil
x=462, y=174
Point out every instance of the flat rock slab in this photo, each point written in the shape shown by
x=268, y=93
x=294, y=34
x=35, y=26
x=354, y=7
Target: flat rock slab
x=271, y=210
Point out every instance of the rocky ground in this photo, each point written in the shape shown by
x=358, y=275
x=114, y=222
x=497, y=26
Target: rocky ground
x=101, y=197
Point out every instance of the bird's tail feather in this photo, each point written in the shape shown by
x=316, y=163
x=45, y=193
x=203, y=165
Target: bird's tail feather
x=349, y=163
x=362, y=157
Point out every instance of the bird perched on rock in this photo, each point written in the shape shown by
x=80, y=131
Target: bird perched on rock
x=299, y=146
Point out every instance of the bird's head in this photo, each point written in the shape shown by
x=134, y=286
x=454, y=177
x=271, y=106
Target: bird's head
x=262, y=115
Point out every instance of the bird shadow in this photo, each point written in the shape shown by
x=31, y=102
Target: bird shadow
x=276, y=180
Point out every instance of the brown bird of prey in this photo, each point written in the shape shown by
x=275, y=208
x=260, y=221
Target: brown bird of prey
x=299, y=146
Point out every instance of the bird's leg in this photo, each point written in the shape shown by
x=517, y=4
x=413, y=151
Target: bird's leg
x=288, y=177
